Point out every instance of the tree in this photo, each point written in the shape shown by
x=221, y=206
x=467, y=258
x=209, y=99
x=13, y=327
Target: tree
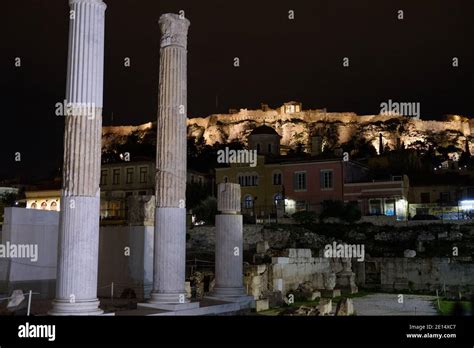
x=206, y=211
x=195, y=194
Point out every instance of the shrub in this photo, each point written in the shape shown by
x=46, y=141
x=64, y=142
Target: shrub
x=305, y=217
x=351, y=212
x=348, y=212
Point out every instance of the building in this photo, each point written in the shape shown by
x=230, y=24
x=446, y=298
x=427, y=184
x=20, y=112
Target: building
x=448, y=197
x=283, y=185
x=120, y=182
x=380, y=197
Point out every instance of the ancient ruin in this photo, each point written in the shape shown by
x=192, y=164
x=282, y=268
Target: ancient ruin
x=76, y=288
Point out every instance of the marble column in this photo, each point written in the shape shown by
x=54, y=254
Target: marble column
x=170, y=215
x=229, y=244
x=76, y=282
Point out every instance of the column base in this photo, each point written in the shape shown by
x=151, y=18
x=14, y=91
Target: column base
x=78, y=308
x=169, y=301
x=228, y=292
x=169, y=306
x=234, y=295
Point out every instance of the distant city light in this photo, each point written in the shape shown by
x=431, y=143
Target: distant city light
x=466, y=204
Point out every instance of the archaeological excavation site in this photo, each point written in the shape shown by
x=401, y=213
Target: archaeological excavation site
x=238, y=166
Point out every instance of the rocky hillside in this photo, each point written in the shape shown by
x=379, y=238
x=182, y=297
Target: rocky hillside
x=297, y=128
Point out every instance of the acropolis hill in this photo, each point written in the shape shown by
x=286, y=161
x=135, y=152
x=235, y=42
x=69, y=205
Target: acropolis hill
x=296, y=125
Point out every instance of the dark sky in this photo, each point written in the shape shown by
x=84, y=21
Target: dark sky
x=281, y=60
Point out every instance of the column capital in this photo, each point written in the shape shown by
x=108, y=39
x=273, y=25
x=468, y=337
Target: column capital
x=228, y=198
x=92, y=2
x=174, y=30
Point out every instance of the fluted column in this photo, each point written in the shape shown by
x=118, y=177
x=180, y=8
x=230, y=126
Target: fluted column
x=229, y=243
x=76, y=282
x=170, y=216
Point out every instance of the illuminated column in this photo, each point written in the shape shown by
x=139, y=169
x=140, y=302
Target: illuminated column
x=170, y=215
x=229, y=242
x=76, y=282
x=229, y=247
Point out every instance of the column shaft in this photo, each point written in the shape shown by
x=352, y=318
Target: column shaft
x=170, y=216
x=76, y=282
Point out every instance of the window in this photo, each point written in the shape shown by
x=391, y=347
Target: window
x=300, y=181
x=143, y=175
x=142, y=193
x=33, y=206
x=248, y=201
x=54, y=206
x=192, y=179
x=425, y=197
x=289, y=109
x=300, y=205
x=278, y=199
x=258, y=148
x=375, y=206
x=248, y=179
x=44, y=206
x=226, y=179
x=269, y=148
x=276, y=178
x=103, y=177
x=444, y=197
x=326, y=179
x=129, y=179
x=116, y=177
x=390, y=207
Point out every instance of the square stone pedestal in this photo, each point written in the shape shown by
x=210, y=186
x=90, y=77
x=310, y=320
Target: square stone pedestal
x=346, y=282
x=170, y=306
x=243, y=301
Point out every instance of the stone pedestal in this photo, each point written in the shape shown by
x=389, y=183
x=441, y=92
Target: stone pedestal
x=229, y=247
x=76, y=284
x=346, y=282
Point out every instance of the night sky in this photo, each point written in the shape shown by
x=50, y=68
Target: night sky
x=406, y=60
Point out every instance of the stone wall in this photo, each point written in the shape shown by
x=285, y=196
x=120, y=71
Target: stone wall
x=30, y=227
x=419, y=273
x=126, y=259
x=288, y=273
x=127, y=268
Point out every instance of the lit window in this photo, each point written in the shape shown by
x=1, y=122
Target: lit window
x=54, y=206
x=248, y=201
x=278, y=199
x=375, y=206
x=44, y=206
x=390, y=207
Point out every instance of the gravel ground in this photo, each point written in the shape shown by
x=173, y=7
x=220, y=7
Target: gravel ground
x=387, y=304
